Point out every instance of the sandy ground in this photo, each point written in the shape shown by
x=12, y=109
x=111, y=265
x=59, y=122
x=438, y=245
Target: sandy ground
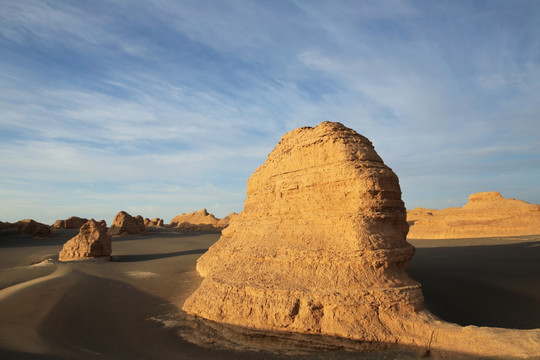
x=129, y=308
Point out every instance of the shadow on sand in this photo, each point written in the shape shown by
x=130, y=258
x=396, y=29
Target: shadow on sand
x=495, y=285
x=148, y=257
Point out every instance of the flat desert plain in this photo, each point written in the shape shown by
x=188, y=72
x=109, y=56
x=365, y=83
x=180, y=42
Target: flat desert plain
x=129, y=308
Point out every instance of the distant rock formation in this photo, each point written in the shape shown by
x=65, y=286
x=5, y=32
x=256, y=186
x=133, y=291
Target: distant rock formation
x=156, y=222
x=91, y=242
x=6, y=226
x=34, y=228
x=486, y=214
x=418, y=213
x=195, y=221
x=125, y=224
x=73, y=222
x=320, y=248
x=223, y=223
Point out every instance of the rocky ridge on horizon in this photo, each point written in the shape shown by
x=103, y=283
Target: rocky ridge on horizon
x=28, y=226
x=73, y=222
x=487, y=214
x=199, y=220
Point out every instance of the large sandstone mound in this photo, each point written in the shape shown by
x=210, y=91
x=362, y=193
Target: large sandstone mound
x=125, y=224
x=91, y=242
x=486, y=214
x=195, y=221
x=320, y=248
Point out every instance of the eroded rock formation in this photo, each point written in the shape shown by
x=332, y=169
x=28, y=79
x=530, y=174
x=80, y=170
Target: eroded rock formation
x=157, y=222
x=320, y=248
x=195, y=221
x=73, y=222
x=125, y=224
x=223, y=223
x=34, y=228
x=321, y=242
x=91, y=242
x=6, y=226
x=486, y=214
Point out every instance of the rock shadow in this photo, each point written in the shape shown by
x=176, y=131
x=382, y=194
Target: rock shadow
x=148, y=257
x=495, y=285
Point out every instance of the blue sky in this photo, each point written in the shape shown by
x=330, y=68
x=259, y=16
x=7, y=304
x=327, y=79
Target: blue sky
x=163, y=107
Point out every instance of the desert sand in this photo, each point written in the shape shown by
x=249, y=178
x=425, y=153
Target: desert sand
x=128, y=308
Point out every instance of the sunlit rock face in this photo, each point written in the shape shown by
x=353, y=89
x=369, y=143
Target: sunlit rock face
x=91, y=242
x=486, y=214
x=223, y=223
x=320, y=246
x=199, y=220
x=125, y=224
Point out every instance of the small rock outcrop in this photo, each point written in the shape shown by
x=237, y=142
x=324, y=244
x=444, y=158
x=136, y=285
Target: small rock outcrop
x=156, y=222
x=320, y=247
x=223, y=223
x=486, y=214
x=73, y=222
x=91, y=242
x=195, y=221
x=34, y=228
x=125, y=224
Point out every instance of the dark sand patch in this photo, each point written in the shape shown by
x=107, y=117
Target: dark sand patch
x=484, y=282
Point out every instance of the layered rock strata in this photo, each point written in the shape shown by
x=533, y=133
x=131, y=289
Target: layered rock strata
x=195, y=221
x=486, y=214
x=320, y=248
x=73, y=222
x=125, y=224
x=91, y=242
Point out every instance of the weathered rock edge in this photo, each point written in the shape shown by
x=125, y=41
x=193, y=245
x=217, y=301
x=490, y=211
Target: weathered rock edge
x=320, y=248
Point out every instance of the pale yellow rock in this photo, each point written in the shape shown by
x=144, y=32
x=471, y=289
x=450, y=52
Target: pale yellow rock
x=223, y=223
x=125, y=224
x=91, y=242
x=418, y=213
x=195, y=221
x=320, y=248
x=487, y=214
